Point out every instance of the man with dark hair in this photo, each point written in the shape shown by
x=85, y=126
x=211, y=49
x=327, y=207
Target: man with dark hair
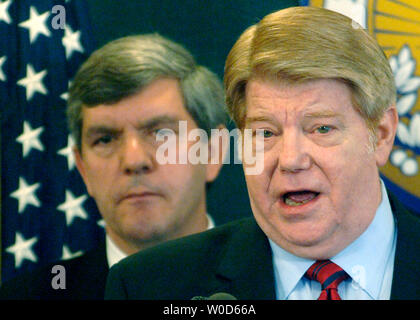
x=125, y=100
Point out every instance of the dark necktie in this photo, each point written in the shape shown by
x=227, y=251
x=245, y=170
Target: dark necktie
x=329, y=275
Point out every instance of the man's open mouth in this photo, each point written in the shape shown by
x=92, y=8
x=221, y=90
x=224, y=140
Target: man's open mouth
x=298, y=198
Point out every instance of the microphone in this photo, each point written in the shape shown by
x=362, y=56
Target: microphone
x=216, y=296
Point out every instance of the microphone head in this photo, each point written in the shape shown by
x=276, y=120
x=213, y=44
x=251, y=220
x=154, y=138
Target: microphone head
x=221, y=296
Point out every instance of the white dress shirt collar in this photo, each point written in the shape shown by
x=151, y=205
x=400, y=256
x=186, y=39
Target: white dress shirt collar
x=114, y=254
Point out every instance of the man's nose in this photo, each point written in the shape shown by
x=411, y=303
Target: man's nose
x=136, y=156
x=293, y=155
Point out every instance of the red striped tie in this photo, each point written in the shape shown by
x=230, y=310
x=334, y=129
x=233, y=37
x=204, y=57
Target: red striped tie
x=329, y=275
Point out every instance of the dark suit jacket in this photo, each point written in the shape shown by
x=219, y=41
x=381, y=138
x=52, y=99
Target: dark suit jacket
x=85, y=280
x=236, y=259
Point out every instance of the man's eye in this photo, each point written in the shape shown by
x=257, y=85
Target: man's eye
x=267, y=134
x=165, y=132
x=323, y=129
x=264, y=133
x=103, y=140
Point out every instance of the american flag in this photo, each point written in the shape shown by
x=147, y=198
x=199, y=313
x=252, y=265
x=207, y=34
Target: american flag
x=46, y=213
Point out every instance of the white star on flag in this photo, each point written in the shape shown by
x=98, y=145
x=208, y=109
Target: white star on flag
x=33, y=82
x=101, y=223
x=67, y=254
x=25, y=195
x=36, y=24
x=30, y=139
x=73, y=207
x=4, y=14
x=68, y=152
x=22, y=249
x=2, y=61
x=65, y=95
x=71, y=41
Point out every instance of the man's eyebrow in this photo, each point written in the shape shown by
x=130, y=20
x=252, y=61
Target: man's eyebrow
x=148, y=124
x=250, y=120
x=100, y=129
x=321, y=114
x=159, y=120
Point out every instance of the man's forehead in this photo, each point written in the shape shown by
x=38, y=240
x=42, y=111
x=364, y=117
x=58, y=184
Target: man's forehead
x=316, y=108
x=135, y=108
x=162, y=96
x=304, y=115
x=278, y=88
x=91, y=118
x=318, y=98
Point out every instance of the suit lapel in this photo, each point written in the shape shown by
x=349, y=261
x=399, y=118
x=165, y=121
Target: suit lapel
x=406, y=278
x=87, y=274
x=246, y=269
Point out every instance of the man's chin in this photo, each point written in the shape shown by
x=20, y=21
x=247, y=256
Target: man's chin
x=145, y=230
x=310, y=244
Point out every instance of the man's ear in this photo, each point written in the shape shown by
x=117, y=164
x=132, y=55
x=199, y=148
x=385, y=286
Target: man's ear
x=218, y=146
x=385, y=135
x=81, y=167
